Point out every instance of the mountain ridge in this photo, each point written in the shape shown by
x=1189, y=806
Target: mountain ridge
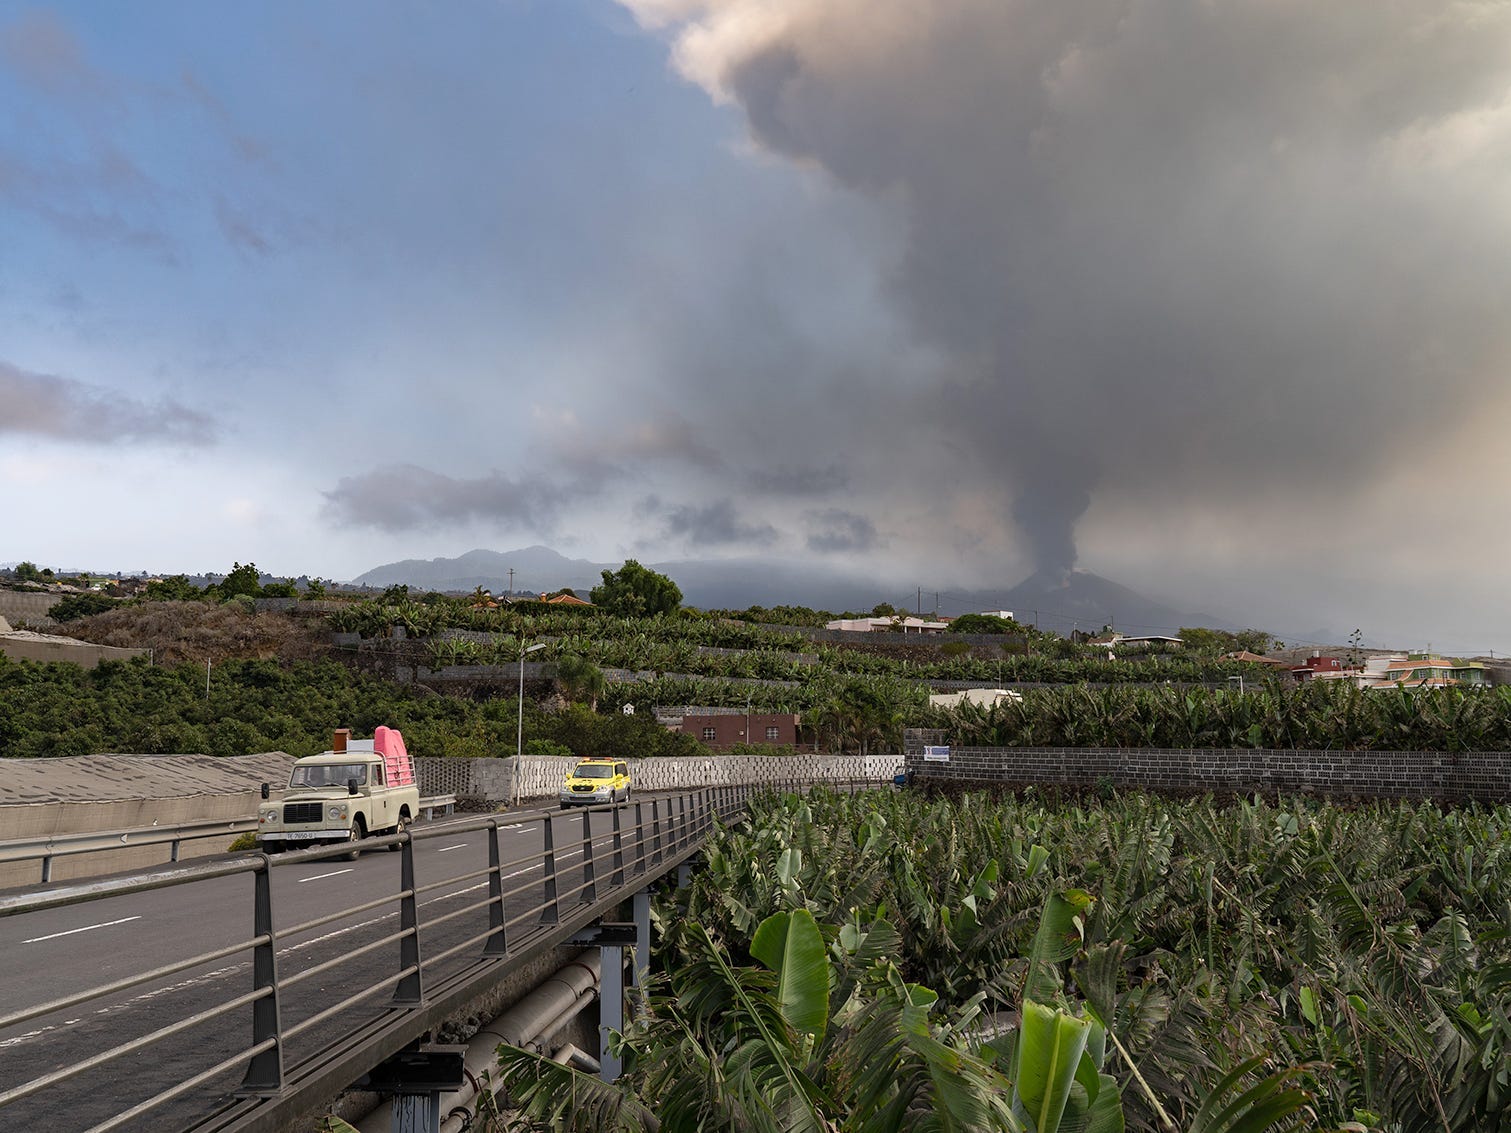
x=1060, y=601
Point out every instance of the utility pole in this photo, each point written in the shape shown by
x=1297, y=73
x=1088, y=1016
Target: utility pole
x=920, y=601
x=511, y=582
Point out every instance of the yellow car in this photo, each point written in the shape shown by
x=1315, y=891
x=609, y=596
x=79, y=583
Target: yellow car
x=594, y=782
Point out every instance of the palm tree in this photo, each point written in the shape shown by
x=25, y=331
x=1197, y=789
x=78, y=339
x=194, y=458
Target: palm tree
x=579, y=679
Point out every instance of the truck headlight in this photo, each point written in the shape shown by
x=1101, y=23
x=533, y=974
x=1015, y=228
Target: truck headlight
x=335, y=813
x=269, y=816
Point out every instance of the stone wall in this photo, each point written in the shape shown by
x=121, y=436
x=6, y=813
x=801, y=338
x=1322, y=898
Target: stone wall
x=1451, y=776
x=491, y=780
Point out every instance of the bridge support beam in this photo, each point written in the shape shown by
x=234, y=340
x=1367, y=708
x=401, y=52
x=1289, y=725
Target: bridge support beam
x=642, y=911
x=417, y=1078
x=610, y=1009
x=611, y=938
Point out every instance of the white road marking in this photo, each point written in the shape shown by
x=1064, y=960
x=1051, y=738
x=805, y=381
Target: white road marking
x=86, y=928
x=456, y=893
x=323, y=876
x=458, y=846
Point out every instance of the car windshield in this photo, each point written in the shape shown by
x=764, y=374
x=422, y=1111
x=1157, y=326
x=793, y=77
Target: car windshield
x=328, y=774
x=595, y=771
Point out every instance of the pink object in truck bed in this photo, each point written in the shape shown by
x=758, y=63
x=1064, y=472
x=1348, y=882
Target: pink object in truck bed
x=397, y=766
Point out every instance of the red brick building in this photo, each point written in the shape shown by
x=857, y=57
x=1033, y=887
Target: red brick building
x=726, y=731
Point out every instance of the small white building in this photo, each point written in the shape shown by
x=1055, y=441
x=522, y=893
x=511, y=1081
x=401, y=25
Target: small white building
x=887, y=625
x=980, y=697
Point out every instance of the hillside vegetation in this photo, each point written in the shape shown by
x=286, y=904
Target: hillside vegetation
x=853, y=696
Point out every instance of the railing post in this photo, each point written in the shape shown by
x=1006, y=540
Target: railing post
x=265, y=1074
x=173, y=850
x=411, y=989
x=550, y=911
x=656, y=834
x=589, y=881
x=46, y=869
x=618, y=845
x=498, y=942
x=639, y=837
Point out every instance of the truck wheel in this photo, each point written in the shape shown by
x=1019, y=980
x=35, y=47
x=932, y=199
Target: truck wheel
x=354, y=837
x=402, y=826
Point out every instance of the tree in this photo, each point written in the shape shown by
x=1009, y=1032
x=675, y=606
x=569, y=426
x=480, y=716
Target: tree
x=580, y=679
x=242, y=580
x=80, y=606
x=634, y=591
x=27, y=572
x=174, y=588
x=314, y=589
x=983, y=623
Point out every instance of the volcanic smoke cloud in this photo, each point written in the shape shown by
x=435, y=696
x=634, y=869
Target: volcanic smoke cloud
x=1166, y=247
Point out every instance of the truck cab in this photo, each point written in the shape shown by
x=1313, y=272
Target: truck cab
x=356, y=789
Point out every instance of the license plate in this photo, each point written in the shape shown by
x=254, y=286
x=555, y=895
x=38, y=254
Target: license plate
x=307, y=835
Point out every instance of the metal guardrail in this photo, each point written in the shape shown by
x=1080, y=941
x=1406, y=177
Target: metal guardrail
x=532, y=902
x=50, y=846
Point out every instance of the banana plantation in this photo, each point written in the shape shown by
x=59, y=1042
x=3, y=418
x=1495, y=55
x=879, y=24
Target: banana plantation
x=692, y=644
x=888, y=961
x=859, y=699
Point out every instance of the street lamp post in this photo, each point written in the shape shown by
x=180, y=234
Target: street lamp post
x=519, y=769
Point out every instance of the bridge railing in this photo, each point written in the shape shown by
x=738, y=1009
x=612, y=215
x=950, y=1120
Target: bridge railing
x=571, y=863
x=45, y=849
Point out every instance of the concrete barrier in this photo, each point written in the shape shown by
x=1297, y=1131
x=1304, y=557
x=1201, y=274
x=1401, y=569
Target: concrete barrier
x=42, y=798
x=491, y=781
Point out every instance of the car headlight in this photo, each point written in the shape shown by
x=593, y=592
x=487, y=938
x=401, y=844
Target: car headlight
x=334, y=813
x=270, y=816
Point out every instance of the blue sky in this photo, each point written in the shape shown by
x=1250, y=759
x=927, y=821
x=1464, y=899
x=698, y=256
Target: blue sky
x=935, y=293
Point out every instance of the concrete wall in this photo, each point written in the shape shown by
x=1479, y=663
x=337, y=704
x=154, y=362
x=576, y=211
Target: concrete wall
x=27, y=606
x=37, y=647
x=116, y=792
x=40, y=820
x=491, y=780
x=1462, y=776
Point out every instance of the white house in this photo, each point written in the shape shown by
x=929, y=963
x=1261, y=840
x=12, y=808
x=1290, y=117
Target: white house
x=887, y=625
x=981, y=697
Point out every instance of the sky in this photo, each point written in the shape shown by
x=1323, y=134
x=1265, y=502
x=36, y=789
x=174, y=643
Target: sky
x=1210, y=299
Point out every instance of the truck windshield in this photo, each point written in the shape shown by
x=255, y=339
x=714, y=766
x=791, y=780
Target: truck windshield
x=595, y=771
x=328, y=775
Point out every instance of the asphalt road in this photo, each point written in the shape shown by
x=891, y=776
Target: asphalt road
x=57, y=952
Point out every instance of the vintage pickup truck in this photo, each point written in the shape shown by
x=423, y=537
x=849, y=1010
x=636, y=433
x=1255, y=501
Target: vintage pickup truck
x=357, y=788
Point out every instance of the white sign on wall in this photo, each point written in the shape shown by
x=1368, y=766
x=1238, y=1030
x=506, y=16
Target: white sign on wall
x=937, y=754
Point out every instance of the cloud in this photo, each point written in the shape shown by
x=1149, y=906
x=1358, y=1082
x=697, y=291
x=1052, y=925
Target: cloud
x=1212, y=253
x=44, y=405
x=715, y=525
x=406, y=497
x=840, y=530
x=788, y=480
x=239, y=232
x=43, y=51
